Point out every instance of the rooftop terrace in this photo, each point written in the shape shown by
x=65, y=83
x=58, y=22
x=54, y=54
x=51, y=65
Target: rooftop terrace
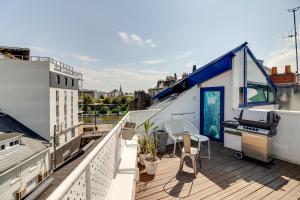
x=110, y=171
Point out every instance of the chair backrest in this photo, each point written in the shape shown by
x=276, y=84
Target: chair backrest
x=180, y=126
x=187, y=143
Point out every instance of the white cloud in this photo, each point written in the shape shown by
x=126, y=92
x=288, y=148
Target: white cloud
x=85, y=58
x=154, y=61
x=110, y=78
x=186, y=54
x=135, y=39
x=283, y=54
x=124, y=37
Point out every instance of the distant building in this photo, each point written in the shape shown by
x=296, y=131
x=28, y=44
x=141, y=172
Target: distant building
x=141, y=101
x=42, y=94
x=116, y=93
x=162, y=84
x=24, y=157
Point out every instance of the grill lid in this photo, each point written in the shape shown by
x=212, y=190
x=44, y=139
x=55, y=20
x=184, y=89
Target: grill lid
x=265, y=119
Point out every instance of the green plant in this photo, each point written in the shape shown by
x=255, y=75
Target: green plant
x=148, y=126
x=115, y=110
x=104, y=109
x=142, y=141
x=151, y=150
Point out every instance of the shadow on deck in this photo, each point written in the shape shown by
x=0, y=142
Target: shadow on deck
x=221, y=177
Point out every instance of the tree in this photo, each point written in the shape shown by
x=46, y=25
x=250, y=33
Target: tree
x=104, y=109
x=115, y=110
x=123, y=100
x=116, y=100
x=107, y=100
x=124, y=107
x=87, y=99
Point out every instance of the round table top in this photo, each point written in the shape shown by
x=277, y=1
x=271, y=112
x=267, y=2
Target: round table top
x=202, y=138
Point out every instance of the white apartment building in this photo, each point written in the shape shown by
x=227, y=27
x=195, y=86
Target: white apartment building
x=42, y=93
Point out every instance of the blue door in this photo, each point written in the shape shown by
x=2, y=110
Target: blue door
x=212, y=112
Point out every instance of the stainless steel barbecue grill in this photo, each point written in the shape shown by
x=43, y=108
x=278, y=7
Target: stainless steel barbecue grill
x=257, y=128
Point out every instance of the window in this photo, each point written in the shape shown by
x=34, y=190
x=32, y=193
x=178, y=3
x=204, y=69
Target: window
x=11, y=144
x=57, y=107
x=57, y=79
x=258, y=89
x=72, y=109
x=16, y=142
x=72, y=82
x=73, y=132
x=65, y=108
x=66, y=81
x=2, y=147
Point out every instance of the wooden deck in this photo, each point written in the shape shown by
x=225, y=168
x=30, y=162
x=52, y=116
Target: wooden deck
x=221, y=177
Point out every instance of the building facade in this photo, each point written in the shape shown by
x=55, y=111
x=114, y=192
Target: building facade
x=42, y=94
x=25, y=159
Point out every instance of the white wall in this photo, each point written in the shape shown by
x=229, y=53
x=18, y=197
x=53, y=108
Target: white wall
x=25, y=175
x=61, y=112
x=24, y=93
x=286, y=144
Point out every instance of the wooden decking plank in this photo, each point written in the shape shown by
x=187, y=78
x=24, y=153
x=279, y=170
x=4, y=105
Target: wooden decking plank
x=274, y=185
x=243, y=182
x=221, y=177
x=209, y=167
x=259, y=183
x=211, y=173
x=294, y=194
x=219, y=184
x=183, y=186
x=217, y=181
x=277, y=194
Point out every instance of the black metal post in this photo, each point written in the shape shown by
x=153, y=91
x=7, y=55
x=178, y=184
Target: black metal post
x=296, y=46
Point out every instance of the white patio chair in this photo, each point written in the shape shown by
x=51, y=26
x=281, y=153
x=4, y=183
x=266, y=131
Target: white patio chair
x=176, y=128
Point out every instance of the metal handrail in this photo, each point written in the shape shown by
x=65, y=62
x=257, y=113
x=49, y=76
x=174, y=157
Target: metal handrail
x=60, y=192
x=59, y=66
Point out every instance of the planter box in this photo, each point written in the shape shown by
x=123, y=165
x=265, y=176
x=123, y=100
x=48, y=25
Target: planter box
x=128, y=131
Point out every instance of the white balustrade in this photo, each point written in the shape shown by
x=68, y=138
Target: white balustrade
x=92, y=178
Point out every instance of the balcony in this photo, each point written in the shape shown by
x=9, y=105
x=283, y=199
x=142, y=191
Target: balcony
x=110, y=170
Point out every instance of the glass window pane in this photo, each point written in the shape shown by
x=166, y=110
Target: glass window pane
x=258, y=89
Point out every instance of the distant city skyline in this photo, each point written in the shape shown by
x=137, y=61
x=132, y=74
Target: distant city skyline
x=138, y=42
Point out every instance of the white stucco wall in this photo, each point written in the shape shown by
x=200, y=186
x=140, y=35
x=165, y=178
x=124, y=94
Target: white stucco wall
x=24, y=93
x=24, y=175
x=285, y=145
x=68, y=135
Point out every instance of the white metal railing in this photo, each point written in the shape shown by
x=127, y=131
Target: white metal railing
x=92, y=178
x=59, y=66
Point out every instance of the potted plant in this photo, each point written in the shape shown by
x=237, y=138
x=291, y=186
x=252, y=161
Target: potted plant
x=142, y=141
x=128, y=131
x=151, y=160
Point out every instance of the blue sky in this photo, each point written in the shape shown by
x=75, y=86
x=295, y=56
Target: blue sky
x=136, y=42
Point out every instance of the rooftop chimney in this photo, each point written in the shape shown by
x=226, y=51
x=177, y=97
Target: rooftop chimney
x=274, y=71
x=194, y=67
x=288, y=69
